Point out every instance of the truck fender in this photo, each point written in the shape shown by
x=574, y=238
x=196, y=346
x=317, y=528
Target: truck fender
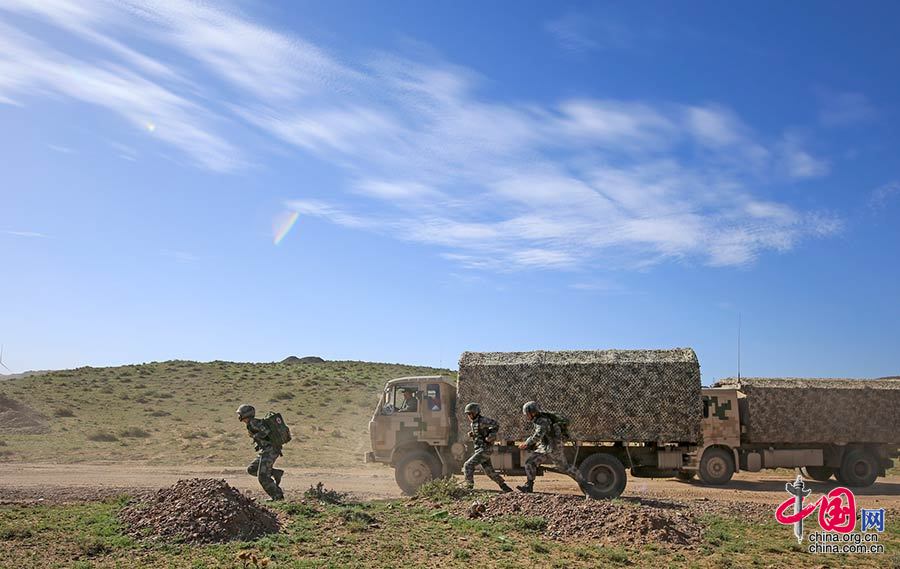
x=399, y=451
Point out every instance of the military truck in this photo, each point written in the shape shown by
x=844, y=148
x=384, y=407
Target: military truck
x=639, y=409
x=845, y=428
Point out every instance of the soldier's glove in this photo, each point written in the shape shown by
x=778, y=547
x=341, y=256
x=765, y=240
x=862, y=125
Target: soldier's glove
x=471, y=434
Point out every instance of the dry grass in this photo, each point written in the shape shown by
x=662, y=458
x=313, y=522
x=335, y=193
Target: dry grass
x=181, y=412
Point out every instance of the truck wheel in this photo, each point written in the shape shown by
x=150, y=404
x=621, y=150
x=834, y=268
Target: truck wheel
x=685, y=475
x=604, y=474
x=716, y=466
x=414, y=469
x=859, y=469
x=820, y=473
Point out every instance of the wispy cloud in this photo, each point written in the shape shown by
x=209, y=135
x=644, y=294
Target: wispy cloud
x=882, y=196
x=428, y=158
x=180, y=256
x=61, y=149
x=578, y=32
x=799, y=162
x=844, y=109
x=28, y=234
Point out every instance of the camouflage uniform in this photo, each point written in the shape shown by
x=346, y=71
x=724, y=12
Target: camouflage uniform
x=263, y=466
x=547, y=445
x=410, y=405
x=482, y=431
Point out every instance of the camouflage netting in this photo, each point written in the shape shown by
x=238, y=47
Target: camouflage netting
x=794, y=410
x=608, y=395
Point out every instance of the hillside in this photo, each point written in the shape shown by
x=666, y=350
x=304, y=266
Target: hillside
x=180, y=412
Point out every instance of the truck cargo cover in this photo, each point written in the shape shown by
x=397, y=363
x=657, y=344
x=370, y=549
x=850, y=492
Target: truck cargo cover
x=608, y=395
x=813, y=410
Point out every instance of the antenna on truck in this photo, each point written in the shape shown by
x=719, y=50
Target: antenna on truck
x=739, y=346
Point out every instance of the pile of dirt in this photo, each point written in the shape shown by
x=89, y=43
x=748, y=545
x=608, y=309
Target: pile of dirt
x=609, y=522
x=199, y=510
x=20, y=419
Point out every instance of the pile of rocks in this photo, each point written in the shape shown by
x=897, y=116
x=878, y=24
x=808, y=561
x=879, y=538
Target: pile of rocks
x=199, y=511
x=609, y=522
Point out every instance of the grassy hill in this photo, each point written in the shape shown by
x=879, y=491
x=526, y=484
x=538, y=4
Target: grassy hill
x=180, y=412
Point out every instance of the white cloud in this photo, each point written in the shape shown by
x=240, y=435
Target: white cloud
x=31, y=67
x=798, y=162
x=428, y=158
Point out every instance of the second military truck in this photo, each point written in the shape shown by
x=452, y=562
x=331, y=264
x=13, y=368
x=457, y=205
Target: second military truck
x=845, y=428
x=635, y=409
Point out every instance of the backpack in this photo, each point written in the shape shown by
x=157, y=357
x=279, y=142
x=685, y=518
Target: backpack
x=560, y=424
x=279, y=432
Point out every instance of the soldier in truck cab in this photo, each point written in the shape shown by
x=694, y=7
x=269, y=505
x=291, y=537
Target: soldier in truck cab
x=410, y=403
x=483, y=430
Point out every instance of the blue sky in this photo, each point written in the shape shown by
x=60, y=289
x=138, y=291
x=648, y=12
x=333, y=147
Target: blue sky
x=509, y=176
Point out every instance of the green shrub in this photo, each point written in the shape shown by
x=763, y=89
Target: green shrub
x=102, y=437
x=443, y=490
x=134, y=433
x=530, y=523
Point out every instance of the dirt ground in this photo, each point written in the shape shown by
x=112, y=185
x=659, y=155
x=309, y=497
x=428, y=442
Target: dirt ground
x=67, y=483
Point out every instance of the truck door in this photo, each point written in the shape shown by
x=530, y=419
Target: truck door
x=721, y=420
x=436, y=425
x=401, y=415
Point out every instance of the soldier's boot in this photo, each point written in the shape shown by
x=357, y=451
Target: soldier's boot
x=277, y=474
x=504, y=487
x=527, y=488
x=470, y=484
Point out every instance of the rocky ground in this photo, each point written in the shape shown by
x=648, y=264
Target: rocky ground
x=616, y=522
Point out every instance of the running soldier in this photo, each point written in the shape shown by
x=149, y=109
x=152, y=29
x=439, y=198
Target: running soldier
x=546, y=442
x=267, y=453
x=483, y=430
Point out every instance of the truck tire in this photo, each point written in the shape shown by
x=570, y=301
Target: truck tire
x=416, y=468
x=716, y=466
x=820, y=473
x=859, y=469
x=685, y=475
x=604, y=474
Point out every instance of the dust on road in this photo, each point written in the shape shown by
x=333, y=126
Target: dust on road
x=79, y=482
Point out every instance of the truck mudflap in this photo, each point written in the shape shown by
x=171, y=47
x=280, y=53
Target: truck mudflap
x=369, y=457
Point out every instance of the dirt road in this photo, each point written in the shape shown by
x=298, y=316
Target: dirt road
x=73, y=482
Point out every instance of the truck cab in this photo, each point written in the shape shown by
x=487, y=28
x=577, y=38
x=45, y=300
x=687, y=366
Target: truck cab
x=717, y=459
x=414, y=427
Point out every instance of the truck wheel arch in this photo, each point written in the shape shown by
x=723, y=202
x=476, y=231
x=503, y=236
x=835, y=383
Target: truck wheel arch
x=717, y=465
x=402, y=450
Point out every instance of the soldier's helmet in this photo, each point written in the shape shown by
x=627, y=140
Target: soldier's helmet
x=473, y=408
x=530, y=407
x=245, y=411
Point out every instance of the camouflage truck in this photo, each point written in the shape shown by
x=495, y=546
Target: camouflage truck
x=846, y=428
x=639, y=409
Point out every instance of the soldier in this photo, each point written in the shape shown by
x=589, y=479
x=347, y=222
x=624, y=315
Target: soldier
x=547, y=444
x=483, y=430
x=263, y=466
x=410, y=403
